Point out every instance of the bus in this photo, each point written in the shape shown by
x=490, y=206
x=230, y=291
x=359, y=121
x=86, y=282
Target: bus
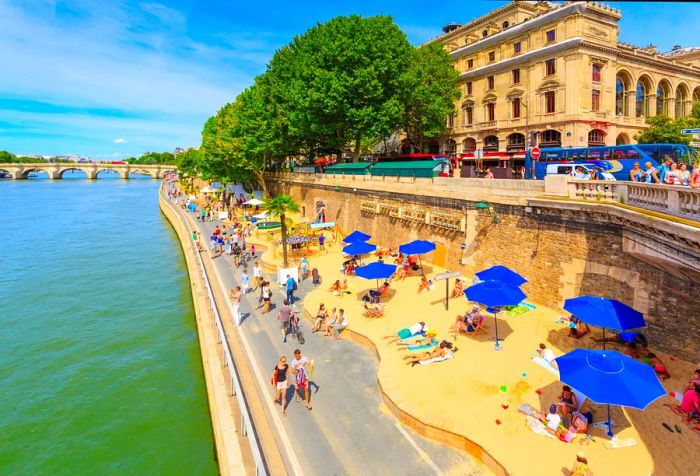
x=617, y=160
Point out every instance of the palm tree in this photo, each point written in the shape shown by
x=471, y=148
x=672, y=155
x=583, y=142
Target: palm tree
x=281, y=205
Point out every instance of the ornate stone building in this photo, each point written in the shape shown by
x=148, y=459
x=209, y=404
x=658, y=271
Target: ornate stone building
x=556, y=75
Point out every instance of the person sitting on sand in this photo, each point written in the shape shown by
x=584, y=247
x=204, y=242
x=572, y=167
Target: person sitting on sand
x=416, y=329
x=424, y=285
x=399, y=259
x=421, y=340
x=634, y=342
x=344, y=284
x=458, y=290
x=440, y=351
x=321, y=316
x=332, y=322
x=567, y=401
x=690, y=404
x=547, y=355
x=580, y=467
x=551, y=419
x=694, y=380
x=375, y=294
x=336, y=288
x=658, y=365
x=467, y=322
x=401, y=273
x=575, y=326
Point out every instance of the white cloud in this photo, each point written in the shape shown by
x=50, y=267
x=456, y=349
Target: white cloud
x=121, y=140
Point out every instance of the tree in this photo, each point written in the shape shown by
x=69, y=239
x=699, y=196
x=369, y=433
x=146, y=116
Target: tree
x=340, y=82
x=429, y=95
x=188, y=164
x=663, y=129
x=6, y=157
x=282, y=205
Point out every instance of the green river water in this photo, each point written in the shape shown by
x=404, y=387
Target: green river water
x=100, y=368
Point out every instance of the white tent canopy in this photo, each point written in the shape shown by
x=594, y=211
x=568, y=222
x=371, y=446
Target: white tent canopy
x=263, y=215
x=253, y=202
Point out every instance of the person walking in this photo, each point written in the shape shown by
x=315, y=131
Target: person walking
x=321, y=242
x=235, y=295
x=291, y=285
x=280, y=379
x=257, y=275
x=267, y=297
x=284, y=316
x=304, y=268
x=300, y=370
x=245, y=280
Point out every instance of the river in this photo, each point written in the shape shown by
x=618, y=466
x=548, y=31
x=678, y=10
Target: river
x=99, y=359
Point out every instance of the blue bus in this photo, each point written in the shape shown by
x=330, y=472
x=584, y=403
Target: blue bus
x=617, y=160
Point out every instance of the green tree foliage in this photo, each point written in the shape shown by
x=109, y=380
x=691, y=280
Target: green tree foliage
x=431, y=90
x=663, y=129
x=188, y=164
x=282, y=205
x=6, y=157
x=153, y=158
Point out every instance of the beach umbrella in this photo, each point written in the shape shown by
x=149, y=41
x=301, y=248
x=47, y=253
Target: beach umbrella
x=605, y=313
x=502, y=274
x=253, y=202
x=417, y=247
x=356, y=236
x=495, y=294
x=376, y=270
x=611, y=378
x=359, y=248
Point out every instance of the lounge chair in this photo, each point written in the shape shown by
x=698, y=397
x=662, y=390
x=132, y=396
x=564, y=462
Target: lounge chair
x=373, y=312
x=479, y=329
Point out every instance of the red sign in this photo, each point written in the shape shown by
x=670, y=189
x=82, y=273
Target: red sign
x=535, y=153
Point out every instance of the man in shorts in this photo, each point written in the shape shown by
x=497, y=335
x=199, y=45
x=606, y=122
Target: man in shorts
x=284, y=316
x=257, y=275
x=300, y=370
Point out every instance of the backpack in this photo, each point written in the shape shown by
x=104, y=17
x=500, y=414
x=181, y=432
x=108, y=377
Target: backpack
x=295, y=285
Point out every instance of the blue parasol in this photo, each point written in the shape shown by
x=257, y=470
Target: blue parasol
x=497, y=295
x=609, y=377
x=356, y=236
x=417, y=247
x=502, y=274
x=359, y=248
x=376, y=270
x=605, y=313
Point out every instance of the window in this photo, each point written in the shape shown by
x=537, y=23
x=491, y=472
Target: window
x=491, y=143
x=469, y=144
x=489, y=83
x=516, y=108
x=484, y=33
x=596, y=137
x=595, y=73
x=516, y=48
x=550, y=138
x=516, y=76
x=468, y=115
x=549, y=104
x=491, y=112
x=516, y=141
x=505, y=25
x=470, y=63
x=492, y=56
x=469, y=87
x=551, y=36
x=450, y=120
x=595, y=100
x=551, y=67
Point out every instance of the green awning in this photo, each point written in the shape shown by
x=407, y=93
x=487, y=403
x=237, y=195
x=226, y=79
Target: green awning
x=418, y=168
x=356, y=168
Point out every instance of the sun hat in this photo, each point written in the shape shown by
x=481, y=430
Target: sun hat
x=431, y=332
x=580, y=454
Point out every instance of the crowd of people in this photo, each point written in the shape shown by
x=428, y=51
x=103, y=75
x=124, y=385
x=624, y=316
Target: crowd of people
x=669, y=173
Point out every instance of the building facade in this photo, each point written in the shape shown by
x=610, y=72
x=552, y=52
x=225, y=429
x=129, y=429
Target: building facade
x=540, y=73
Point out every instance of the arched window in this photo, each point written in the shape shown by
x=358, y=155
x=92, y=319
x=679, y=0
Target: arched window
x=505, y=25
x=642, y=98
x=469, y=145
x=662, y=94
x=550, y=138
x=491, y=143
x=484, y=33
x=622, y=139
x=596, y=137
x=681, y=98
x=696, y=94
x=620, y=96
x=516, y=141
x=450, y=146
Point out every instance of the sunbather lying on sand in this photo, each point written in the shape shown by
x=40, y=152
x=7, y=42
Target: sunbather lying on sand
x=429, y=336
x=417, y=329
x=413, y=359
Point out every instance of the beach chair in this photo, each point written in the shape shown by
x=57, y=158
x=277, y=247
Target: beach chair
x=479, y=329
x=373, y=312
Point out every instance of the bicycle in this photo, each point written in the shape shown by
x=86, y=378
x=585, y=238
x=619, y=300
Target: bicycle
x=295, y=329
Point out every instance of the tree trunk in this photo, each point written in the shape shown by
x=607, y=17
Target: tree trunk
x=259, y=174
x=356, y=153
x=284, y=240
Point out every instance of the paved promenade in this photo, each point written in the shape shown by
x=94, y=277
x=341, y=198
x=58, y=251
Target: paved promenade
x=349, y=430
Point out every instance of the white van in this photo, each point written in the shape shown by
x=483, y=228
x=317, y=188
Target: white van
x=583, y=173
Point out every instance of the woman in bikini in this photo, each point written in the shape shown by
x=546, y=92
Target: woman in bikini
x=567, y=401
x=413, y=359
x=336, y=288
x=458, y=290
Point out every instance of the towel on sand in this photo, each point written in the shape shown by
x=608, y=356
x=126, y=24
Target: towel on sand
x=448, y=355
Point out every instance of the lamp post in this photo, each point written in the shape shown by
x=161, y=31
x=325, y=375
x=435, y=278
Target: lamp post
x=527, y=139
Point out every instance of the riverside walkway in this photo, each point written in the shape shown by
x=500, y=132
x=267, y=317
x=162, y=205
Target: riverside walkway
x=349, y=430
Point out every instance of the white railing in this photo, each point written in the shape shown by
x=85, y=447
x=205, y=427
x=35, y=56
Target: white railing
x=674, y=200
x=247, y=427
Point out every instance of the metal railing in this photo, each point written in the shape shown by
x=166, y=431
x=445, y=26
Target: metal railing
x=247, y=427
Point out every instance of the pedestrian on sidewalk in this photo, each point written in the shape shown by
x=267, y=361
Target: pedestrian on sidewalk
x=284, y=316
x=291, y=286
x=280, y=378
x=304, y=268
x=257, y=275
x=245, y=280
x=321, y=242
x=235, y=295
x=267, y=297
x=300, y=370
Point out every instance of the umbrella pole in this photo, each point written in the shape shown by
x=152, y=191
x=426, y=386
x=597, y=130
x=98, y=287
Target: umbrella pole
x=610, y=433
x=497, y=346
x=604, y=349
x=421, y=265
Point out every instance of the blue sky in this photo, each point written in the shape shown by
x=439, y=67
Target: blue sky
x=113, y=78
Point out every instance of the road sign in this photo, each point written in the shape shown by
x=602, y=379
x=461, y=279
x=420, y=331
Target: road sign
x=690, y=132
x=449, y=274
x=535, y=153
x=695, y=144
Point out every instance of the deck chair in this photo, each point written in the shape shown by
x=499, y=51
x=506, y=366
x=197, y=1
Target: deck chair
x=373, y=312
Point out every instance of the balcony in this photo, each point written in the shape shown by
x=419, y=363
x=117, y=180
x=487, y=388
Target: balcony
x=488, y=124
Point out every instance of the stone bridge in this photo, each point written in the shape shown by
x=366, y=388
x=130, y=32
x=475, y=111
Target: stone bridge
x=56, y=171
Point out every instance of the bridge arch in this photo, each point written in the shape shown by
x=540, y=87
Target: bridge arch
x=150, y=173
x=61, y=172
x=26, y=172
x=109, y=171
